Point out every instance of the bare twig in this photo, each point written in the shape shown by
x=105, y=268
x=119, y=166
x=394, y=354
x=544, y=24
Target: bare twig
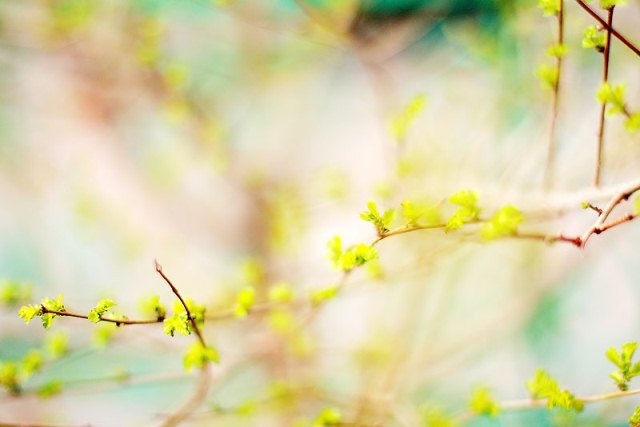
x=118, y=322
x=198, y=396
x=555, y=108
x=603, y=107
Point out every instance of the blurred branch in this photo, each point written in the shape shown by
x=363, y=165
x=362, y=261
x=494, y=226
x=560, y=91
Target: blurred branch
x=603, y=107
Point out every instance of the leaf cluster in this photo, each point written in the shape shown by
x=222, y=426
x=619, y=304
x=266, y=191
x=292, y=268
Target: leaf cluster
x=400, y=123
x=544, y=386
x=504, y=223
x=623, y=360
x=179, y=322
x=614, y=98
x=352, y=257
x=44, y=311
x=483, y=403
x=382, y=222
x=467, y=209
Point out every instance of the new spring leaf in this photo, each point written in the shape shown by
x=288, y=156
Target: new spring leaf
x=544, y=386
x=623, y=360
x=468, y=209
x=504, y=223
x=382, y=222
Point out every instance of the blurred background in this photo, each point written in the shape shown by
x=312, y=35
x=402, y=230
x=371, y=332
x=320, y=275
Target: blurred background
x=230, y=140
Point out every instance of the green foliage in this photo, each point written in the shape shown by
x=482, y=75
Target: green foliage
x=9, y=376
x=244, y=301
x=179, y=322
x=549, y=7
x=557, y=50
x=504, y=223
x=634, y=419
x=544, y=386
x=483, y=403
x=632, y=123
x=357, y=256
x=335, y=250
x=281, y=321
x=197, y=356
x=320, y=296
x=468, y=209
x=613, y=96
x=399, y=125
x=548, y=75
x=593, y=39
x=623, y=360
x=28, y=312
x=50, y=389
x=154, y=307
x=608, y=4
x=352, y=257
x=56, y=344
x=281, y=293
x=433, y=416
x=103, y=334
x=419, y=213
x=103, y=306
x=383, y=222
x=328, y=417
x=13, y=292
x=31, y=363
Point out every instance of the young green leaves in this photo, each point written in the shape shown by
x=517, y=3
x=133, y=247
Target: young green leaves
x=179, y=322
x=549, y=7
x=383, y=222
x=13, y=292
x=46, y=311
x=634, y=419
x=104, y=306
x=352, y=257
x=197, y=356
x=593, y=38
x=504, y=223
x=483, y=403
x=623, y=360
x=544, y=386
x=244, y=301
x=467, y=211
x=400, y=124
x=614, y=98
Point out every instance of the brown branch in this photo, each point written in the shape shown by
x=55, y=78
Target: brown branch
x=613, y=31
x=198, y=396
x=555, y=108
x=194, y=325
x=45, y=310
x=603, y=107
x=601, y=223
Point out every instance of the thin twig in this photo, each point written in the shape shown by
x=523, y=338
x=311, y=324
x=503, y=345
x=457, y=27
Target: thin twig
x=615, y=32
x=198, y=396
x=542, y=403
x=555, y=108
x=45, y=310
x=194, y=325
x=603, y=107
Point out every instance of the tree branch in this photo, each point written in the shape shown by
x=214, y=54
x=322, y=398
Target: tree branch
x=613, y=31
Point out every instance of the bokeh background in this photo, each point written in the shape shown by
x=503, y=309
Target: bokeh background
x=230, y=140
